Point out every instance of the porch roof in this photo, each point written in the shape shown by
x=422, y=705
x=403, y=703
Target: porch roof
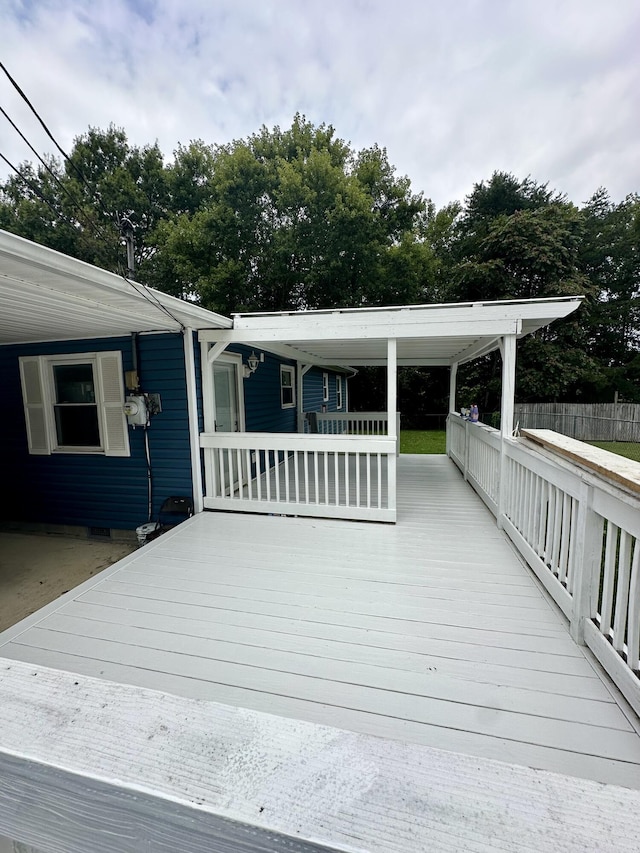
x=46, y=296
x=441, y=334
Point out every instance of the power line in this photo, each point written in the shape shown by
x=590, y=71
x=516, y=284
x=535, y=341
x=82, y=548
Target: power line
x=34, y=189
x=153, y=300
x=68, y=159
x=143, y=291
x=84, y=214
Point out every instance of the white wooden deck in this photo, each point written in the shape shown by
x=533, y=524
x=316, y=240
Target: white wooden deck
x=429, y=632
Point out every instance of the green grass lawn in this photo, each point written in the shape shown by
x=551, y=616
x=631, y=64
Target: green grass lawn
x=630, y=449
x=422, y=441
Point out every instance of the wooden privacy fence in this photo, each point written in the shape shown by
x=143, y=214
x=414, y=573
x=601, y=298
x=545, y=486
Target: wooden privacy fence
x=584, y=421
x=337, y=476
x=579, y=532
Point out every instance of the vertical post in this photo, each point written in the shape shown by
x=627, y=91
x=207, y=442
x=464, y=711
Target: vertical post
x=300, y=395
x=453, y=374
x=392, y=427
x=301, y=372
x=392, y=385
x=192, y=410
x=508, y=352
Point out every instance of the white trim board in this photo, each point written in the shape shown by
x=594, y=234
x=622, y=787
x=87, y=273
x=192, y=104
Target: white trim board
x=112, y=768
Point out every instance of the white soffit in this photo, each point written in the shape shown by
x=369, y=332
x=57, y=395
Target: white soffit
x=425, y=334
x=47, y=296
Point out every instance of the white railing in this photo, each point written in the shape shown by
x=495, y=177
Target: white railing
x=475, y=448
x=578, y=530
x=341, y=476
x=351, y=423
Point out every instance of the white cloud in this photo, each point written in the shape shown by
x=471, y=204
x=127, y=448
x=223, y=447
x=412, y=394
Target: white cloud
x=453, y=91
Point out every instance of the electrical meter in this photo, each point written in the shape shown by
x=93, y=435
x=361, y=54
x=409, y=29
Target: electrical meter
x=135, y=408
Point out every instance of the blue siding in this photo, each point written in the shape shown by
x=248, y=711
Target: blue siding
x=313, y=401
x=94, y=490
x=263, y=409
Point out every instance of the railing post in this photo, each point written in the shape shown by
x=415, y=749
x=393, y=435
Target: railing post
x=465, y=466
x=587, y=552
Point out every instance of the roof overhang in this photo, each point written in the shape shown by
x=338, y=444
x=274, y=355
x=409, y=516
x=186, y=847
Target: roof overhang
x=426, y=335
x=48, y=296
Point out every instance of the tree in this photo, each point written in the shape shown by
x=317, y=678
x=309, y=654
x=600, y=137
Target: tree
x=75, y=206
x=520, y=240
x=610, y=257
x=295, y=219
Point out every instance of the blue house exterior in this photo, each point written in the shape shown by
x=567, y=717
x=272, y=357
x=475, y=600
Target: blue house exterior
x=105, y=489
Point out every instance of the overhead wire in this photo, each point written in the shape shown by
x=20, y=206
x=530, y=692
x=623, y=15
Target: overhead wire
x=34, y=189
x=68, y=159
x=84, y=214
x=141, y=290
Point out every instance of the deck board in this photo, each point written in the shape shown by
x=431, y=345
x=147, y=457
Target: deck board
x=430, y=631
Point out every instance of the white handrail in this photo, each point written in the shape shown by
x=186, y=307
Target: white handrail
x=577, y=530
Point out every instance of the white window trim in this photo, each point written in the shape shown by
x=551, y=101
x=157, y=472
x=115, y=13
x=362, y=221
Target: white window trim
x=37, y=379
x=287, y=368
x=325, y=387
x=339, y=392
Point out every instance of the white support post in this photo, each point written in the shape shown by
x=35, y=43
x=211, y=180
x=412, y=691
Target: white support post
x=453, y=374
x=192, y=410
x=392, y=386
x=508, y=352
x=301, y=372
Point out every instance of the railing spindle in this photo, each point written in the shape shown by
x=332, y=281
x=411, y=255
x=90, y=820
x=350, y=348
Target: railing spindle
x=622, y=591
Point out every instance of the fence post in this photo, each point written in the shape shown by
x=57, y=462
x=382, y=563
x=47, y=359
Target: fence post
x=587, y=553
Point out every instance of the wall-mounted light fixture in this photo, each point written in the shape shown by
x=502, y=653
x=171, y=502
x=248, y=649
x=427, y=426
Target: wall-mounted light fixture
x=252, y=364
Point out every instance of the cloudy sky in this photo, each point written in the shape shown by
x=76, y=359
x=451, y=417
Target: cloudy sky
x=454, y=89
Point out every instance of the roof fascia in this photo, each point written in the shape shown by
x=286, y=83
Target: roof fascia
x=440, y=327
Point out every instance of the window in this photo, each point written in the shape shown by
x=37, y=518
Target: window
x=338, y=392
x=325, y=387
x=287, y=390
x=74, y=404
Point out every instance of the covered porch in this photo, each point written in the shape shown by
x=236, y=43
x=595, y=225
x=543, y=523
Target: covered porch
x=346, y=466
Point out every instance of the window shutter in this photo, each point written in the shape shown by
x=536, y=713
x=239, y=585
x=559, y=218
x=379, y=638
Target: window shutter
x=115, y=435
x=34, y=405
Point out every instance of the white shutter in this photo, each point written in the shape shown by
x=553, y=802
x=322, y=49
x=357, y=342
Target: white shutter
x=115, y=435
x=35, y=412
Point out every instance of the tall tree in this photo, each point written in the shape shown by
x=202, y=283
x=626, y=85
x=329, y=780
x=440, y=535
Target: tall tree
x=76, y=205
x=295, y=219
x=520, y=240
x=610, y=257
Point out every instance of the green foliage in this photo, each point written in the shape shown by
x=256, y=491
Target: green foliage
x=295, y=218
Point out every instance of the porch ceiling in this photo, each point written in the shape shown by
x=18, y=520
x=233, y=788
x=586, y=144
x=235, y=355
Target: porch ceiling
x=425, y=334
x=45, y=296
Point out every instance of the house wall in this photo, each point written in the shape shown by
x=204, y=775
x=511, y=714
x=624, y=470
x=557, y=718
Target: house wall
x=313, y=401
x=263, y=409
x=93, y=490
